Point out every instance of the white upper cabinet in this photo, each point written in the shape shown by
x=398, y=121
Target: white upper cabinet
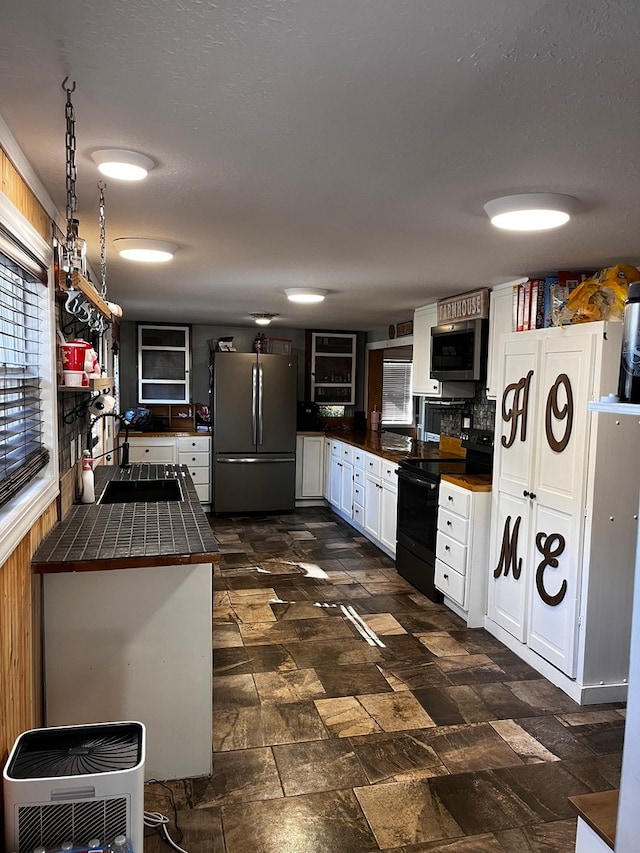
x=423, y=319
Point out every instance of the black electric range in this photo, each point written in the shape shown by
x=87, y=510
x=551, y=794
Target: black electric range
x=418, y=487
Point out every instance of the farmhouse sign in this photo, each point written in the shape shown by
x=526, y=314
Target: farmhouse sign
x=467, y=306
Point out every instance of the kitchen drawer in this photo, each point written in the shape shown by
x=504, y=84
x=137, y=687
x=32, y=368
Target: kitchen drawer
x=372, y=464
x=204, y=493
x=358, y=476
x=358, y=458
x=346, y=452
x=388, y=471
x=195, y=443
x=152, y=453
x=449, y=582
x=454, y=499
x=453, y=525
x=358, y=494
x=201, y=460
x=358, y=514
x=451, y=552
x=200, y=476
x=336, y=448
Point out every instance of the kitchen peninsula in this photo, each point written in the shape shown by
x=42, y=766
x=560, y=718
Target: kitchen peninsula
x=127, y=592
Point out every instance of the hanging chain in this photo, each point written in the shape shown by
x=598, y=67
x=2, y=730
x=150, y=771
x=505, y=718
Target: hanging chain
x=72, y=199
x=70, y=144
x=103, y=242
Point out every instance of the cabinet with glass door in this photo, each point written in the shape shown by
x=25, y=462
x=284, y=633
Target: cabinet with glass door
x=163, y=364
x=333, y=368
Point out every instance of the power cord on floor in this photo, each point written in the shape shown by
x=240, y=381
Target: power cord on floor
x=160, y=821
x=156, y=820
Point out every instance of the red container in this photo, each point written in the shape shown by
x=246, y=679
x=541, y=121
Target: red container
x=72, y=355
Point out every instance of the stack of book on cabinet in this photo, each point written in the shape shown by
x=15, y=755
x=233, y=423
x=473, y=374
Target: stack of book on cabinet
x=538, y=303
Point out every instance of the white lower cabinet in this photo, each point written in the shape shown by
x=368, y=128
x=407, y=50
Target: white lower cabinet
x=195, y=453
x=388, y=506
x=363, y=489
x=310, y=484
x=153, y=450
x=192, y=451
x=462, y=550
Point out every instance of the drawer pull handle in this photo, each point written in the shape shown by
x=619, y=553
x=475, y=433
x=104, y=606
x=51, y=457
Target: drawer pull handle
x=193, y=458
x=448, y=524
x=146, y=450
x=446, y=577
x=447, y=548
x=449, y=498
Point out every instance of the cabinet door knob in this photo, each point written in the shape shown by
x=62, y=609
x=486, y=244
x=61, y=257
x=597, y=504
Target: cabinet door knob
x=446, y=577
x=532, y=496
x=525, y=494
x=146, y=450
x=447, y=548
x=448, y=524
x=450, y=498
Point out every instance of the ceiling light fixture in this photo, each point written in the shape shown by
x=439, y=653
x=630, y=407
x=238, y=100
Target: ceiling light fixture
x=122, y=165
x=147, y=251
x=264, y=319
x=305, y=294
x=531, y=211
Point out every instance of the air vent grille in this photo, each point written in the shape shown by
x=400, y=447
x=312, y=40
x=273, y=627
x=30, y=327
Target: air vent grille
x=51, y=824
x=54, y=753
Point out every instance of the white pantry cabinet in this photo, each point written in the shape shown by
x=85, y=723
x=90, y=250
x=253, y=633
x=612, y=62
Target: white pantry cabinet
x=564, y=496
x=423, y=319
x=500, y=322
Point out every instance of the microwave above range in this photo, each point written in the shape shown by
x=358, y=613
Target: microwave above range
x=459, y=351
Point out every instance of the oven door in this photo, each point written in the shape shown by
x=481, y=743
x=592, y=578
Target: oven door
x=417, y=514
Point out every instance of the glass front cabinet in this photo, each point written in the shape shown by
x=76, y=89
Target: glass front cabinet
x=333, y=368
x=163, y=364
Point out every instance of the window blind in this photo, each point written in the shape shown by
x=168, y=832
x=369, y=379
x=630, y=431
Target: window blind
x=22, y=451
x=397, y=403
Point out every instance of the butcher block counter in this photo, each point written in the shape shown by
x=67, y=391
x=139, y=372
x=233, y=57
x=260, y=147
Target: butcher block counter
x=127, y=602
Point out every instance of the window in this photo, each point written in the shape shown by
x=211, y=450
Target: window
x=22, y=451
x=28, y=426
x=397, y=402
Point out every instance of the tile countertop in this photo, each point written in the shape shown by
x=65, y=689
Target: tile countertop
x=95, y=537
x=395, y=447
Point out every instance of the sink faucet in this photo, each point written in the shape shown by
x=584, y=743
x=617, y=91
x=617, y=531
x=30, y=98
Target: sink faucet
x=124, y=447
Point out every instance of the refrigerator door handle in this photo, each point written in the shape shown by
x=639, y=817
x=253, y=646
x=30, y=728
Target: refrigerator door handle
x=260, y=393
x=227, y=460
x=254, y=403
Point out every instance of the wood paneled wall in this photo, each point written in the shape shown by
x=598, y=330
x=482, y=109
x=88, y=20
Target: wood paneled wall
x=19, y=193
x=20, y=631
x=20, y=599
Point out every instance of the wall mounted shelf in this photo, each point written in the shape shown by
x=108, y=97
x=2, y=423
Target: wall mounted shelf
x=79, y=282
x=102, y=384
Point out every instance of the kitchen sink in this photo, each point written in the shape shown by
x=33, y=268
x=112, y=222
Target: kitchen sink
x=140, y=491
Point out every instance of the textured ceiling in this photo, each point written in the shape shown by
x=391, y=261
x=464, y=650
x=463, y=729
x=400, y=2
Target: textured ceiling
x=342, y=144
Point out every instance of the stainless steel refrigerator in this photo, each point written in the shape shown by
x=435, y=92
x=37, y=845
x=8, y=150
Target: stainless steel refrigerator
x=253, y=402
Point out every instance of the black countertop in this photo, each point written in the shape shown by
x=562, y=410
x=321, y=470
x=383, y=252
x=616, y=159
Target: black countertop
x=95, y=537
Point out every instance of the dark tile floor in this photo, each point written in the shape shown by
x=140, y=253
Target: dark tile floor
x=428, y=737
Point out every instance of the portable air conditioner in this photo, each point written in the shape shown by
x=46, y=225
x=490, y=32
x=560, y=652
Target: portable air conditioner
x=74, y=783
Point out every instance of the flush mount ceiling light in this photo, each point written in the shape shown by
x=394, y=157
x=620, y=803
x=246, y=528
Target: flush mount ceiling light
x=122, y=165
x=264, y=319
x=531, y=212
x=147, y=251
x=305, y=294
